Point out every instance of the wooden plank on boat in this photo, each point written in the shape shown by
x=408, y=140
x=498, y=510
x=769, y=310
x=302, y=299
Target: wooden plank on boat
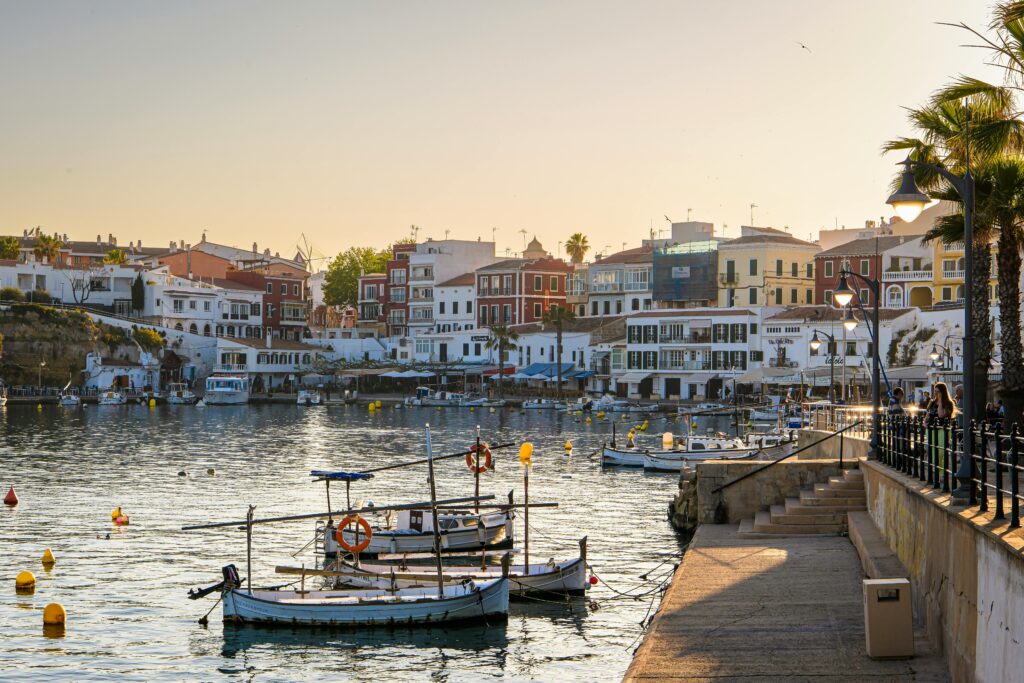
x=339, y=513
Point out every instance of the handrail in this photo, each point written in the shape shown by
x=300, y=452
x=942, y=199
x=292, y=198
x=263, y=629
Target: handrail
x=785, y=457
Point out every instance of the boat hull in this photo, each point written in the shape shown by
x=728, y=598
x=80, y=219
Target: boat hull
x=368, y=608
x=495, y=535
x=226, y=398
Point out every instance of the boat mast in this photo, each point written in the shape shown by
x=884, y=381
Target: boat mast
x=248, y=546
x=476, y=470
x=433, y=513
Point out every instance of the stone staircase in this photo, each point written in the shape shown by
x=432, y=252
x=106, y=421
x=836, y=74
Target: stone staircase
x=819, y=511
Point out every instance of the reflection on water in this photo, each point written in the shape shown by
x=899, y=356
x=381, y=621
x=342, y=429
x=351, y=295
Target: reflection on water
x=124, y=587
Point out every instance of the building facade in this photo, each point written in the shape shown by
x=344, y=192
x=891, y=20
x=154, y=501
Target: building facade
x=621, y=283
x=766, y=270
x=518, y=291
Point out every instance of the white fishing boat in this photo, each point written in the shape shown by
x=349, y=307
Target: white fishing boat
x=309, y=397
x=633, y=456
x=226, y=390
x=463, y=601
x=543, y=404
x=69, y=400
x=3, y=395
x=568, y=577
x=112, y=397
x=413, y=532
x=482, y=402
x=675, y=462
x=764, y=414
x=425, y=396
x=179, y=393
x=610, y=404
x=701, y=408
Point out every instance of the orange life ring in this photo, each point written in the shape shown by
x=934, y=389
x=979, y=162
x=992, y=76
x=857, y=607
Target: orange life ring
x=340, y=537
x=471, y=460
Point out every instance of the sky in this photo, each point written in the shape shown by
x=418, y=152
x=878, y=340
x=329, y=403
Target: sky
x=348, y=122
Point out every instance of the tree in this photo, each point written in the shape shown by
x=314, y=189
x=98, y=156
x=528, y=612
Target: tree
x=577, y=247
x=557, y=317
x=341, y=283
x=115, y=257
x=10, y=248
x=502, y=339
x=138, y=295
x=11, y=294
x=47, y=247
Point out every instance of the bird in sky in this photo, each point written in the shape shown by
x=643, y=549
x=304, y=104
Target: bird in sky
x=802, y=45
x=667, y=218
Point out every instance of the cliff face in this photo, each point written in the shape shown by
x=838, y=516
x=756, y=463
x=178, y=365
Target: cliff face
x=34, y=334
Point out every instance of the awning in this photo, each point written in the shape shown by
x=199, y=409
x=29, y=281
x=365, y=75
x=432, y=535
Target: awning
x=583, y=375
x=633, y=377
x=339, y=476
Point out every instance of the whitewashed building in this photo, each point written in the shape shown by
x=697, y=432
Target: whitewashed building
x=435, y=262
x=453, y=304
x=103, y=373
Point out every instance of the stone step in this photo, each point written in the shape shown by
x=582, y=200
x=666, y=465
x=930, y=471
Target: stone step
x=813, y=516
x=857, y=475
x=763, y=524
x=833, y=502
x=795, y=506
x=825, y=491
x=846, y=484
x=746, y=530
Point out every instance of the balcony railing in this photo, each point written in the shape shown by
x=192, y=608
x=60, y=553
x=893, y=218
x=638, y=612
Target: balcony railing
x=420, y=277
x=637, y=286
x=419, y=298
x=953, y=275
x=686, y=339
x=605, y=287
x=231, y=367
x=686, y=365
x=908, y=275
x=728, y=279
x=494, y=291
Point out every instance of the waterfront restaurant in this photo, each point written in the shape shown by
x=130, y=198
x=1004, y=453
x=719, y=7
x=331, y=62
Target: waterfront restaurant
x=270, y=363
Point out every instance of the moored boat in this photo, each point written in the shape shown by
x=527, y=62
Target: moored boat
x=226, y=390
x=413, y=532
x=112, y=397
x=543, y=404
x=179, y=393
x=308, y=397
x=425, y=396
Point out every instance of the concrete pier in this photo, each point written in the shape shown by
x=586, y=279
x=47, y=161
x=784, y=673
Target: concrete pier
x=777, y=609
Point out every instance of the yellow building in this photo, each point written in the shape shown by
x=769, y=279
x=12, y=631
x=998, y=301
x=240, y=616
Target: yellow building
x=766, y=267
x=948, y=268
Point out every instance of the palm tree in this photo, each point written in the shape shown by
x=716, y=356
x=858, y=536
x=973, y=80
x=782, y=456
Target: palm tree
x=577, y=247
x=502, y=339
x=557, y=317
x=47, y=247
x=115, y=257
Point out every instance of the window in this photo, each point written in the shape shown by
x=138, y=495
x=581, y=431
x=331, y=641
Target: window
x=506, y=313
x=753, y=266
x=593, y=308
x=828, y=297
x=192, y=304
x=178, y=305
x=440, y=307
x=719, y=333
x=270, y=288
x=851, y=348
x=737, y=333
x=635, y=304
x=295, y=290
x=828, y=268
x=494, y=314
x=538, y=283
x=469, y=308
x=792, y=296
x=254, y=310
x=947, y=293
x=730, y=271
x=778, y=266
x=507, y=284
x=483, y=316
x=864, y=297
x=865, y=267
x=607, y=307
x=455, y=307
x=536, y=310
x=796, y=269
x=753, y=328
x=810, y=296
x=398, y=295
x=618, y=306
x=424, y=346
x=757, y=355
x=753, y=295
x=284, y=288
x=633, y=360
x=778, y=296
x=476, y=349
x=554, y=283
x=650, y=334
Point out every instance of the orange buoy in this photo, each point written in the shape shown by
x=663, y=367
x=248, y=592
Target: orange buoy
x=11, y=498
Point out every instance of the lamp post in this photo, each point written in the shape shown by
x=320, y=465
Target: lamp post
x=908, y=202
x=842, y=296
x=39, y=380
x=815, y=345
x=849, y=325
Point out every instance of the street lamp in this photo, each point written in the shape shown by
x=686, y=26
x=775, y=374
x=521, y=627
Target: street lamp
x=815, y=345
x=39, y=381
x=843, y=295
x=909, y=201
x=849, y=320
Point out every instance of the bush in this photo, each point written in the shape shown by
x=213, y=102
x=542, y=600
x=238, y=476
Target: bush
x=149, y=340
x=39, y=296
x=11, y=294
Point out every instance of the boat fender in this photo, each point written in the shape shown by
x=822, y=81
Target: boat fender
x=121, y=520
x=116, y=513
x=568, y=445
x=471, y=459
x=339, y=535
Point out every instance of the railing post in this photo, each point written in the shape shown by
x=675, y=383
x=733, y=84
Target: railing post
x=969, y=452
x=840, y=450
x=931, y=446
x=982, y=455
x=1000, y=513
x=949, y=432
x=1014, y=472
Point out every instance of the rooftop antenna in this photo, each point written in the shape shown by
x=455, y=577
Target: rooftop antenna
x=524, y=237
x=752, y=207
x=415, y=230
x=446, y=233
x=494, y=231
x=624, y=246
x=688, y=215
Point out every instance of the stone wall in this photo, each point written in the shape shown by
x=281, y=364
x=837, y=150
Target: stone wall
x=853, y=448
x=968, y=581
x=697, y=502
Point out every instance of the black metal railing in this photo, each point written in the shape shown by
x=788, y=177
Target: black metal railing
x=930, y=449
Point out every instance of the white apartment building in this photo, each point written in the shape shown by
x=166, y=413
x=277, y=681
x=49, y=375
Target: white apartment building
x=222, y=308
x=622, y=283
x=108, y=286
x=435, y=262
x=454, y=304
x=688, y=354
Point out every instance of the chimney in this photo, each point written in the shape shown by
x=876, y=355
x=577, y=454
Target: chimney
x=270, y=340
x=174, y=246
x=139, y=244
x=254, y=249
x=99, y=239
x=110, y=239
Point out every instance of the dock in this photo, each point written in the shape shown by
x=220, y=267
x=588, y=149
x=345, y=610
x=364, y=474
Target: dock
x=768, y=609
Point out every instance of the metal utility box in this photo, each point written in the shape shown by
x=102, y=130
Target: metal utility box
x=888, y=618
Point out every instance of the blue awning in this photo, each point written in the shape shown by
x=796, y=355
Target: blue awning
x=583, y=375
x=339, y=476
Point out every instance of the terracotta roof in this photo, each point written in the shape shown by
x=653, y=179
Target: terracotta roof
x=868, y=246
x=637, y=255
x=504, y=264
x=224, y=283
x=768, y=239
x=466, y=279
x=829, y=313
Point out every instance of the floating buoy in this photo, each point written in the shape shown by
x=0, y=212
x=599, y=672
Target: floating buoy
x=211, y=471
x=593, y=580
x=152, y=403
x=568, y=445
x=667, y=440
x=492, y=410
x=54, y=614
x=11, y=498
x=48, y=559
x=472, y=409
x=588, y=419
x=183, y=473
x=39, y=406
x=116, y=513
x=379, y=404
x=25, y=581
x=600, y=414
x=121, y=521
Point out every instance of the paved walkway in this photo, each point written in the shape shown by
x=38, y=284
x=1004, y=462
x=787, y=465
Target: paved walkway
x=786, y=609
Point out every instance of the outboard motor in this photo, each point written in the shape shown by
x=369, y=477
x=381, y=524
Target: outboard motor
x=231, y=578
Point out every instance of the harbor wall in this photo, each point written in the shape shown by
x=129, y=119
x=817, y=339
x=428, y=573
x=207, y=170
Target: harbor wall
x=852, y=448
x=967, y=574
x=698, y=503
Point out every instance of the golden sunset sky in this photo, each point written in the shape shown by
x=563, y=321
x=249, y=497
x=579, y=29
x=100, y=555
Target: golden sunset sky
x=349, y=121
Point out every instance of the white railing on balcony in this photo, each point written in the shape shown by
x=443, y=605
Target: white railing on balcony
x=953, y=274
x=604, y=287
x=685, y=365
x=907, y=275
x=231, y=367
x=636, y=286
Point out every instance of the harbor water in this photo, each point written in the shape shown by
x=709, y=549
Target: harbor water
x=125, y=588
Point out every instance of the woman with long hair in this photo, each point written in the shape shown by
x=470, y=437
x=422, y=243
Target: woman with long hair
x=944, y=405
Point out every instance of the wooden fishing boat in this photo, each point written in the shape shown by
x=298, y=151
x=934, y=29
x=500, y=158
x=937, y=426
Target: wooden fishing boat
x=178, y=393
x=464, y=601
x=633, y=456
x=308, y=397
x=413, y=532
x=568, y=577
x=112, y=397
x=676, y=462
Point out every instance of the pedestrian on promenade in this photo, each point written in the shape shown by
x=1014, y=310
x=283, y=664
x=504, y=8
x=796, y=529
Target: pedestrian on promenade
x=896, y=402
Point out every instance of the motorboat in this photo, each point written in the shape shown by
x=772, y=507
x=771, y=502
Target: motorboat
x=764, y=414
x=675, y=462
x=309, y=397
x=633, y=456
x=610, y=404
x=568, y=577
x=701, y=408
x=70, y=400
x=543, y=404
x=226, y=390
x=482, y=402
x=112, y=397
x=179, y=393
x=425, y=396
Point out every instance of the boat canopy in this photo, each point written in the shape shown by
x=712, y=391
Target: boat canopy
x=339, y=476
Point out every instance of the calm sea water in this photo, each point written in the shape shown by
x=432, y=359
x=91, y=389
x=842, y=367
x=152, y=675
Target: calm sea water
x=128, y=616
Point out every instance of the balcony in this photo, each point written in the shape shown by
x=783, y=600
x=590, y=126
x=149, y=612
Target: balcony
x=908, y=275
x=421, y=277
x=952, y=275
x=420, y=299
x=686, y=365
x=421, y=319
x=692, y=338
x=728, y=279
x=637, y=286
x=782, y=363
x=494, y=291
x=605, y=287
x=231, y=367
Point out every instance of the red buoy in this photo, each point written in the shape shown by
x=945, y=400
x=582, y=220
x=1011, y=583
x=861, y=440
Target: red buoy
x=11, y=498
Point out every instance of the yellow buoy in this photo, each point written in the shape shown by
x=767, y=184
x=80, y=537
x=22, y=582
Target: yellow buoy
x=39, y=406
x=54, y=614
x=371, y=407
x=379, y=404
x=472, y=409
x=116, y=513
x=48, y=559
x=152, y=403
x=25, y=581
x=568, y=445
x=588, y=419
x=600, y=413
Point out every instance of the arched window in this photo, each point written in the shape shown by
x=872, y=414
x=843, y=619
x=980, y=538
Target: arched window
x=231, y=330
x=206, y=330
x=193, y=328
x=179, y=328
x=959, y=292
x=894, y=297
x=305, y=359
x=220, y=330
